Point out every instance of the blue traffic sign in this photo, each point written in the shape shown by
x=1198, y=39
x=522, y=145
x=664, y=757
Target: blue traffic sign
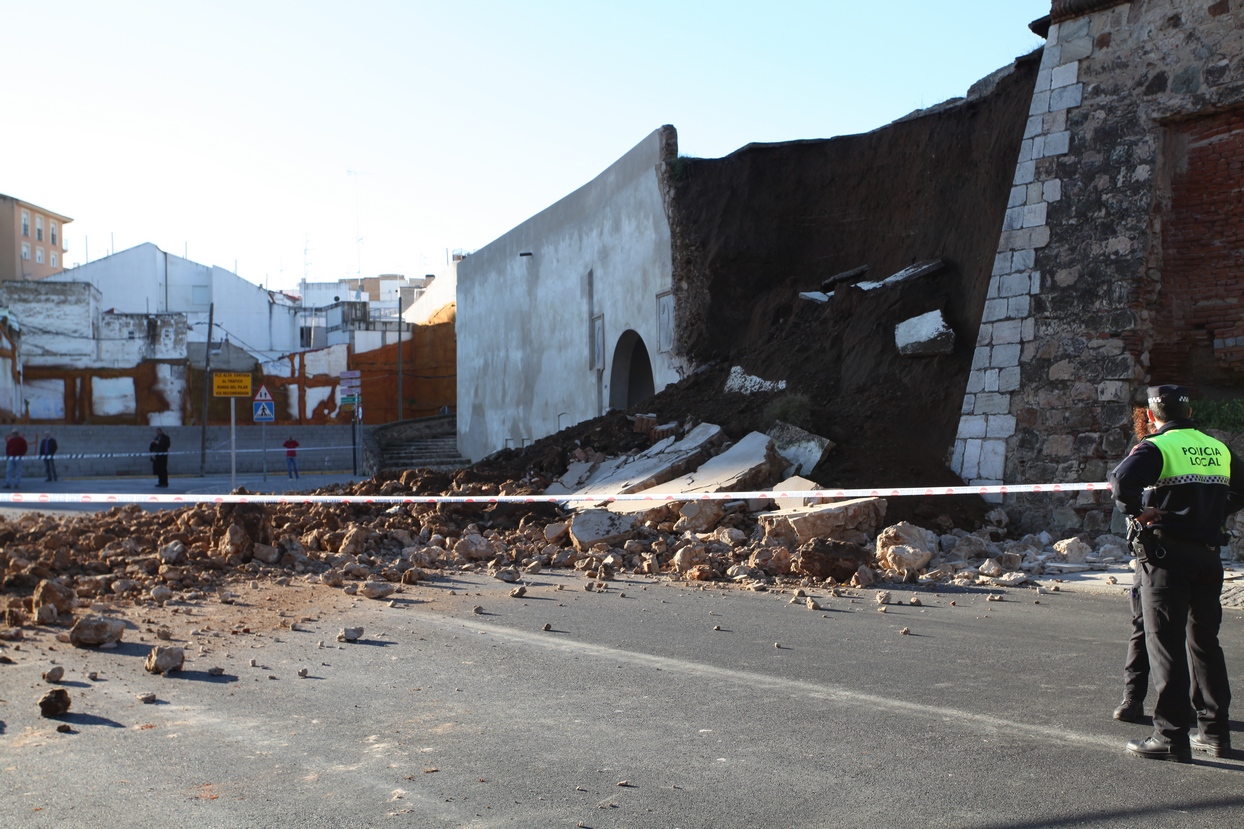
x=264, y=412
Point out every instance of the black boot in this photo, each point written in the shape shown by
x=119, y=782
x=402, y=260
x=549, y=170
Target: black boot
x=1130, y=710
x=1156, y=748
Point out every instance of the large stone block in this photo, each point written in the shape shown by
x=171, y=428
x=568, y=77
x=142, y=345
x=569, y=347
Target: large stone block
x=597, y=526
x=801, y=449
x=924, y=335
x=842, y=520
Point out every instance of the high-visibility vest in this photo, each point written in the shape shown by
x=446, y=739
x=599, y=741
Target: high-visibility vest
x=1190, y=456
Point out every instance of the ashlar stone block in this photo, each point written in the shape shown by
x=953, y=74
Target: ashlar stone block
x=989, y=403
x=1058, y=143
x=971, y=459
x=980, y=358
x=1009, y=379
x=1007, y=332
x=973, y=426
x=995, y=309
x=1064, y=75
x=1002, y=262
x=1014, y=284
x=1025, y=172
x=1000, y=426
x=1066, y=98
x=992, y=459
x=1005, y=356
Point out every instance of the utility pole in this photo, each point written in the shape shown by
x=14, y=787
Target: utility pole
x=207, y=384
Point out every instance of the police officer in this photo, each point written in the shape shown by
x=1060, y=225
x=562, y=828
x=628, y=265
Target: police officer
x=1180, y=484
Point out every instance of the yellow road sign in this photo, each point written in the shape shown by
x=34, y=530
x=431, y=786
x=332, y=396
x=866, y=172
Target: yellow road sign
x=231, y=384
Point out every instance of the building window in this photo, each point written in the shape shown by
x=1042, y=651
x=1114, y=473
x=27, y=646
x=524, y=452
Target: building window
x=26, y=250
x=52, y=228
x=39, y=256
x=38, y=228
x=25, y=222
x=55, y=261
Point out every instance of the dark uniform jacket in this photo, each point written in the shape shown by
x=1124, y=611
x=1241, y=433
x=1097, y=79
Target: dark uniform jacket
x=1194, y=506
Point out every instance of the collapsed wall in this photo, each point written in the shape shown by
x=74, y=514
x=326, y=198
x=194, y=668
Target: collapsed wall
x=754, y=229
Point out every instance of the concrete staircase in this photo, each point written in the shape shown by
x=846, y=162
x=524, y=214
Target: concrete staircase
x=432, y=453
x=428, y=443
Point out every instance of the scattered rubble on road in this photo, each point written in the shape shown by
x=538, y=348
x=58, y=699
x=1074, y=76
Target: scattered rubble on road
x=90, y=580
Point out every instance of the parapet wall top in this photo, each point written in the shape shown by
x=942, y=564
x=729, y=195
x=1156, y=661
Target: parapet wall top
x=1061, y=10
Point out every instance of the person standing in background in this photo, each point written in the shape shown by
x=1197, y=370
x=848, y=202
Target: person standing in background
x=159, y=457
x=291, y=456
x=47, y=451
x=15, y=448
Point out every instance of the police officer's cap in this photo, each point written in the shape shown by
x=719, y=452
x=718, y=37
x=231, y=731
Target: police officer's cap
x=1168, y=395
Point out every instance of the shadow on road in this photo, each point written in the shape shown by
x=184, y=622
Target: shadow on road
x=1129, y=817
x=202, y=676
x=88, y=719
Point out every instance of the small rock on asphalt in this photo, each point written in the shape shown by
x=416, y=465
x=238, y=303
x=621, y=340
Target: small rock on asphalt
x=56, y=674
x=147, y=698
x=377, y=589
x=54, y=703
x=165, y=660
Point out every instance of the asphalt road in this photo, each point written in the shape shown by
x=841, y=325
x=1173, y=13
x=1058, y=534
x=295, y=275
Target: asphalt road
x=632, y=711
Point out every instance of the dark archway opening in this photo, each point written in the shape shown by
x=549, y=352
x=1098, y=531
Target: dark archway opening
x=630, y=378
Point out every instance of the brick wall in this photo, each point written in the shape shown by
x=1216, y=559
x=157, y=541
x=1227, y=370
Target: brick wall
x=1200, y=324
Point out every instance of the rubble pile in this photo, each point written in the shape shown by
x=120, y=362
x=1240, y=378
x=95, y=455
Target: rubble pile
x=61, y=571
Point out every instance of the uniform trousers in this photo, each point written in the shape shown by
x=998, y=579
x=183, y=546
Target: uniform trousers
x=1180, y=590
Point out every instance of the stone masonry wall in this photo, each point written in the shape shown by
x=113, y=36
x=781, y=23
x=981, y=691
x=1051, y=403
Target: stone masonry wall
x=1065, y=341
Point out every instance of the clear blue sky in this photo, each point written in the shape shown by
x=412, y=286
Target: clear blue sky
x=228, y=127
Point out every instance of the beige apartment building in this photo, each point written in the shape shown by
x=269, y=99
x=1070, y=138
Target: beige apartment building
x=32, y=240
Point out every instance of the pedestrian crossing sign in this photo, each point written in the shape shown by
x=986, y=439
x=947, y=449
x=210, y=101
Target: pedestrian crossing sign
x=264, y=412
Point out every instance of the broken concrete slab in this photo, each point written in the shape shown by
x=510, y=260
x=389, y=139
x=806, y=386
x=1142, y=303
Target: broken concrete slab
x=801, y=448
x=752, y=463
x=857, y=518
x=794, y=484
x=846, y=277
x=599, y=526
x=576, y=475
x=915, y=271
x=659, y=463
x=924, y=336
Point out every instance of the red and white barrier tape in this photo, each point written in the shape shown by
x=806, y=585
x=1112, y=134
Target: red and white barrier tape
x=27, y=499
